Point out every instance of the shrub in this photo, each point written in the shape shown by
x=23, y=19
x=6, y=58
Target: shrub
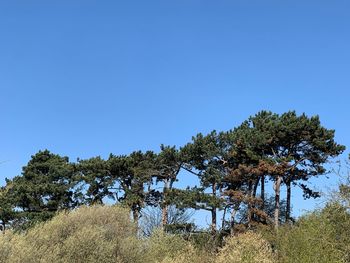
x=5, y=246
x=89, y=234
x=322, y=236
x=248, y=247
x=170, y=248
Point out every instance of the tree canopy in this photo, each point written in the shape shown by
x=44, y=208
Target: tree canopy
x=233, y=169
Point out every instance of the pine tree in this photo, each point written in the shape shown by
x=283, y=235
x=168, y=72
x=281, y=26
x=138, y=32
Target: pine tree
x=44, y=187
x=294, y=148
x=204, y=157
x=168, y=166
x=134, y=175
x=95, y=175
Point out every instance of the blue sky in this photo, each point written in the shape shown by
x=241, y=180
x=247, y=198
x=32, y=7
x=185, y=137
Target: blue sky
x=86, y=78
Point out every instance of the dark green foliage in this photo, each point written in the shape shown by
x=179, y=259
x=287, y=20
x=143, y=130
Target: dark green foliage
x=44, y=187
x=194, y=198
x=7, y=213
x=95, y=174
x=231, y=167
x=168, y=165
x=289, y=148
x=134, y=175
x=205, y=157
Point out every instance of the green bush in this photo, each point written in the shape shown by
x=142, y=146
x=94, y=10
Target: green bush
x=322, y=236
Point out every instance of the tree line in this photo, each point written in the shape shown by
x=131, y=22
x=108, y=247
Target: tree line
x=233, y=169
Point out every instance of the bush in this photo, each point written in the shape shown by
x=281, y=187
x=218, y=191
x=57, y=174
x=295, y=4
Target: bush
x=322, y=236
x=106, y=234
x=206, y=241
x=89, y=234
x=170, y=248
x=5, y=246
x=248, y=247
x=94, y=234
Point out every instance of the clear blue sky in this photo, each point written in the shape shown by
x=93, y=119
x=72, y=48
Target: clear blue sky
x=86, y=78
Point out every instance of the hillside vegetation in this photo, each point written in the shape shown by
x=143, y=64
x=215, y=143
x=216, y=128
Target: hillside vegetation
x=106, y=234
x=56, y=211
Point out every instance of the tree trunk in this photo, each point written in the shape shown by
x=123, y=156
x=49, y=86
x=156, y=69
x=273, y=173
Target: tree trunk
x=262, y=194
x=213, y=220
x=233, y=215
x=135, y=214
x=164, y=216
x=250, y=195
x=213, y=212
x=255, y=188
x=223, y=218
x=288, y=201
x=164, y=205
x=277, y=188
